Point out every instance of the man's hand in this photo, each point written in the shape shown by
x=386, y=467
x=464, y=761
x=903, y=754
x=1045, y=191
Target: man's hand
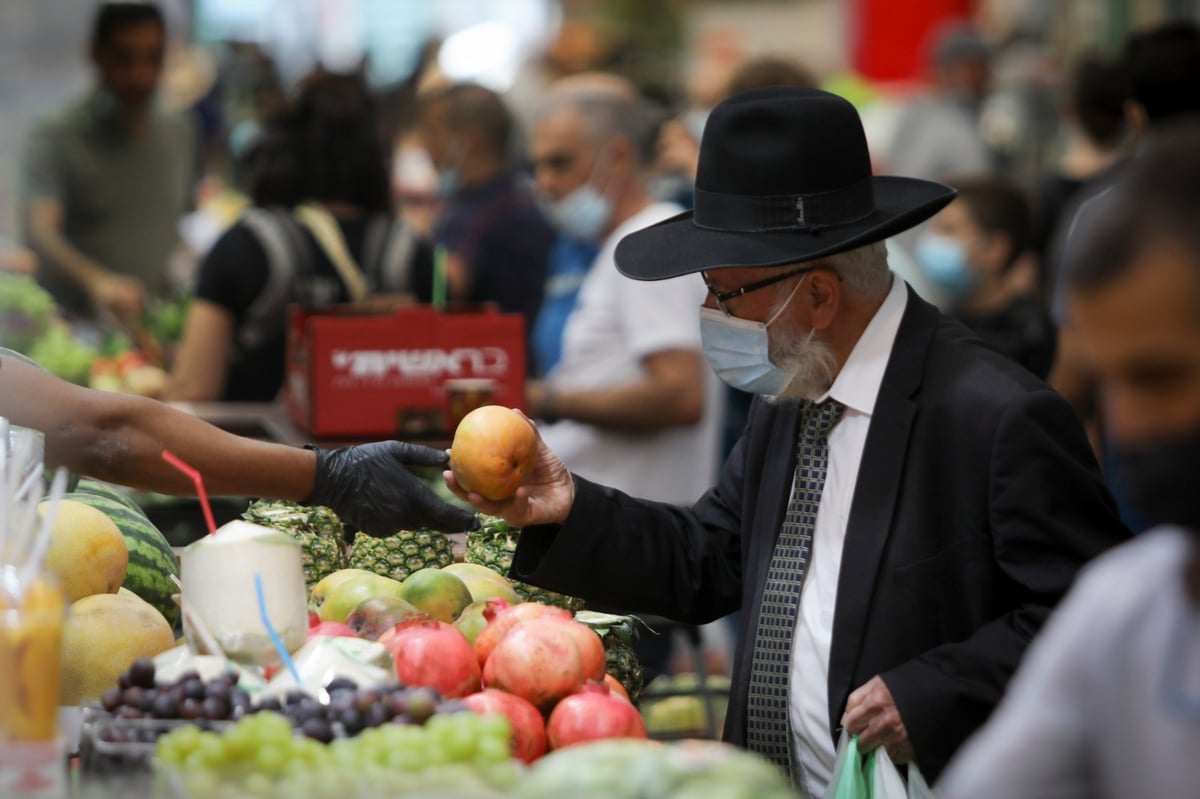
x=871, y=714
x=121, y=296
x=545, y=498
x=371, y=489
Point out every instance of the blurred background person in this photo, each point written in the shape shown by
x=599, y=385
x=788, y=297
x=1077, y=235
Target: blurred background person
x=1094, y=132
x=106, y=180
x=494, y=235
x=1105, y=703
x=938, y=134
x=971, y=251
x=321, y=231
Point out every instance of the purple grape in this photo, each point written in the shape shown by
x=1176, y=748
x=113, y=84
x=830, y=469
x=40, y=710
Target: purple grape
x=110, y=700
x=166, y=706
x=141, y=673
x=318, y=729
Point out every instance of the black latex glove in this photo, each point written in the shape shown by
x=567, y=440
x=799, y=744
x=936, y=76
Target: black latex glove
x=369, y=487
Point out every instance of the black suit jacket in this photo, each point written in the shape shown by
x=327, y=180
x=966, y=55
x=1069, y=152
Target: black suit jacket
x=977, y=501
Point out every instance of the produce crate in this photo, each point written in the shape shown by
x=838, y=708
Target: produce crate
x=353, y=374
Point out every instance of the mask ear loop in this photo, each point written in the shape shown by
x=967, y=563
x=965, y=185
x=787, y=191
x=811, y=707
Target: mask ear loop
x=787, y=302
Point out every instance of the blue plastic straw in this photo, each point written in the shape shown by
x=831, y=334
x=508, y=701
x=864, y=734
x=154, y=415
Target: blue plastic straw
x=275, y=639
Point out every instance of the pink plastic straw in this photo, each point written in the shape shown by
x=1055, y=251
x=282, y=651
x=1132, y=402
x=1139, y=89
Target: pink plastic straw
x=198, y=481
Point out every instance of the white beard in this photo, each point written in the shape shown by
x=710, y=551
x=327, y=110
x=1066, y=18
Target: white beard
x=811, y=363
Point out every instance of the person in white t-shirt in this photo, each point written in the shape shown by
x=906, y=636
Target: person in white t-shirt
x=632, y=402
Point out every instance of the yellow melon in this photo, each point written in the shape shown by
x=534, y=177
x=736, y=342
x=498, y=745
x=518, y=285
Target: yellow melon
x=105, y=633
x=87, y=552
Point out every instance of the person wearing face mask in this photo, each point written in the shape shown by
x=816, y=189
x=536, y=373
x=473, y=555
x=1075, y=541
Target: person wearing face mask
x=495, y=236
x=630, y=402
x=905, y=505
x=970, y=252
x=1107, y=702
x=105, y=182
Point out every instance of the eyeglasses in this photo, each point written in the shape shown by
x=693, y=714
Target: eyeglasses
x=723, y=297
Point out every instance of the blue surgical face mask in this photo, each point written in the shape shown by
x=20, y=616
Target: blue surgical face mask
x=943, y=261
x=448, y=182
x=739, y=350
x=582, y=214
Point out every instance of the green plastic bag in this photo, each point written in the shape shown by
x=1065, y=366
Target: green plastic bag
x=849, y=779
x=886, y=782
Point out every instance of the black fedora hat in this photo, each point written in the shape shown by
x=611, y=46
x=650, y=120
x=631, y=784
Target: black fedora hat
x=784, y=176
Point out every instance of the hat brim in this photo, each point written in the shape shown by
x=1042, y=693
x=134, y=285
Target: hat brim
x=677, y=247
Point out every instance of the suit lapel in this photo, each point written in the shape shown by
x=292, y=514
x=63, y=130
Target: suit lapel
x=875, y=494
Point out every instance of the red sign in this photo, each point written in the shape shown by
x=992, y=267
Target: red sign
x=354, y=375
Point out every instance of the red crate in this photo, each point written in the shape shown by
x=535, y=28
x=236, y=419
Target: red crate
x=356, y=374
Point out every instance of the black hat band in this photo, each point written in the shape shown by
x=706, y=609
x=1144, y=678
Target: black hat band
x=743, y=213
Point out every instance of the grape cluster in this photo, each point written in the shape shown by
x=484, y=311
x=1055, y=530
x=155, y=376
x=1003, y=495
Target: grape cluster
x=261, y=756
x=188, y=698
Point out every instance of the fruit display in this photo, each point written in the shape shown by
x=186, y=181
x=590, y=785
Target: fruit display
x=493, y=545
x=674, y=705
x=26, y=311
x=151, y=561
x=493, y=451
x=318, y=529
x=103, y=635
x=87, y=553
x=617, y=633
x=61, y=354
x=399, y=555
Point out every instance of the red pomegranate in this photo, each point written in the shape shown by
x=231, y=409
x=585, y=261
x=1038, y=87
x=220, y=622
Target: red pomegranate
x=528, y=727
x=433, y=654
x=332, y=628
x=616, y=689
x=591, y=648
x=538, y=661
x=591, y=714
x=502, y=619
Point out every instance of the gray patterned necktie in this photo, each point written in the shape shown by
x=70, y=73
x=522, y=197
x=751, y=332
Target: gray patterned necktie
x=768, y=727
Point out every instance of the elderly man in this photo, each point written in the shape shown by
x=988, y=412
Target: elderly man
x=1106, y=704
x=905, y=505
x=631, y=401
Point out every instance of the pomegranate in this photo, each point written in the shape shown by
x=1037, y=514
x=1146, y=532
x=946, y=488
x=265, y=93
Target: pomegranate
x=331, y=628
x=433, y=654
x=591, y=648
x=592, y=714
x=528, y=728
x=538, y=661
x=615, y=687
x=501, y=618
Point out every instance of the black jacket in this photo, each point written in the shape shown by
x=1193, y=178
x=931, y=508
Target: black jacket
x=977, y=501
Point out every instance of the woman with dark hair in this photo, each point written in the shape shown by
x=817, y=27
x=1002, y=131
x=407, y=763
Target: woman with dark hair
x=321, y=231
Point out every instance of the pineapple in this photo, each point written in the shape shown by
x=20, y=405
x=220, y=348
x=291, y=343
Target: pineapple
x=493, y=545
x=401, y=554
x=318, y=529
x=617, y=633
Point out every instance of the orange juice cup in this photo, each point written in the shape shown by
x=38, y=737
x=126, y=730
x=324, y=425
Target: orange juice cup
x=31, y=632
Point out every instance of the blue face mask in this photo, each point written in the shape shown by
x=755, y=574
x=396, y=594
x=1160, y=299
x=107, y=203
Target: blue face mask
x=448, y=182
x=943, y=261
x=739, y=350
x=582, y=214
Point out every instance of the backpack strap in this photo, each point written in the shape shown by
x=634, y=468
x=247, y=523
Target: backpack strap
x=328, y=235
x=288, y=258
x=393, y=250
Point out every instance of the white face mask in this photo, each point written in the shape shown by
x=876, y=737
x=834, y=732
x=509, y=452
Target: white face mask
x=739, y=350
x=582, y=214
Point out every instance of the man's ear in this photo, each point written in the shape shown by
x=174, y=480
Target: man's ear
x=997, y=251
x=823, y=295
x=622, y=159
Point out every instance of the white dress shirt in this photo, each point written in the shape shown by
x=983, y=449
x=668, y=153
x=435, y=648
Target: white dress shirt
x=856, y=387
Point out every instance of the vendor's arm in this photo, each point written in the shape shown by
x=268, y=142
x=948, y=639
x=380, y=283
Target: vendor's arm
x=120, y=438
x=669, y=394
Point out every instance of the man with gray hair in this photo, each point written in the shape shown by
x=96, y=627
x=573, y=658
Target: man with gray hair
x=630, y=403
x=905, y=505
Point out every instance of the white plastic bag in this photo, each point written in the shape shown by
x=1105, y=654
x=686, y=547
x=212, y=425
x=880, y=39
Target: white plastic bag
x=886, y=782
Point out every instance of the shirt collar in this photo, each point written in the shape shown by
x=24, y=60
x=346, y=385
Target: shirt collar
x=857, y=384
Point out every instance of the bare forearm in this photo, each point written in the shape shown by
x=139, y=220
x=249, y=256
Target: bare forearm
x=639, y=407
x=126, y=442
x=58, y=253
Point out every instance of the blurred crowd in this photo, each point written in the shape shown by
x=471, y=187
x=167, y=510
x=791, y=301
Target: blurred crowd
x=448, y=192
